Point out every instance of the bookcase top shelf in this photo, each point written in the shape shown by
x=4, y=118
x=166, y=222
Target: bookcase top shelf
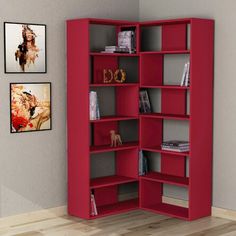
x=114, y=54
x=114, y=85
x=114, y=118
x=110, y=181
x=164, y=86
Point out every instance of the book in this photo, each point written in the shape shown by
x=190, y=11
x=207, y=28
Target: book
x=175, y=149
x=144, y=102
x=93, y=106
x=93, y=206
x=186, y=75
x=127, y=39
x=143, y=164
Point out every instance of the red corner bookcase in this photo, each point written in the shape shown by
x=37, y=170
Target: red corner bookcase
x=85, y=138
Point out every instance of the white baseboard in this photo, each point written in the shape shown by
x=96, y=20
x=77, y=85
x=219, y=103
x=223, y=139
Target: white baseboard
x=33, y=216
x=62, y=210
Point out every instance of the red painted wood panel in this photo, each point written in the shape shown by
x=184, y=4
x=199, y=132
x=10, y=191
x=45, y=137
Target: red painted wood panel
x=173, y=101
x=106, y=196
x=174, y=37
x=201, y=108
x=78, y=118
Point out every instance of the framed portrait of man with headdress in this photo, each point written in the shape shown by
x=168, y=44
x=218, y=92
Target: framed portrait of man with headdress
x=25, y=48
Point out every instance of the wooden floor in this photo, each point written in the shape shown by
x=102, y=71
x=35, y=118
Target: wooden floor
x=136, y=223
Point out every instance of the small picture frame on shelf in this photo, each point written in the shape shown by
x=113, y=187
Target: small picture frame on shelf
x=30, y=107
x=144, y=102
x=24, y=48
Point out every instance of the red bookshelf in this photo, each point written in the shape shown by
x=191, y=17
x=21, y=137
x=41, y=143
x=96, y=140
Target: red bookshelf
x=189, y=37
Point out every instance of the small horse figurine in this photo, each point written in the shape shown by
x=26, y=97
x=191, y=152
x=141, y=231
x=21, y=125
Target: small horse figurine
x=115, y=139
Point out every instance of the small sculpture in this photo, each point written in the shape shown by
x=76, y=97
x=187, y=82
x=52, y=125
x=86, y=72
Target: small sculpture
x=115, y=139
x=120, y=76
x=107, y=76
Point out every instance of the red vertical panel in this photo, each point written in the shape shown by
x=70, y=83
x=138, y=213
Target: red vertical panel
x=174, y=37
x=78, y=117
x=127, y=163
x=173, y=165
x=173, y=101
x=201, y=93
x=151, y=132
x=101, y=133
x=106, y=196
x=151, y=193
x=151, y=69
x=127, y=101
x=103, y=62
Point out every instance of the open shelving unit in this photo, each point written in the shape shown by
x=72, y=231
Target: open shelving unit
x=158, y=43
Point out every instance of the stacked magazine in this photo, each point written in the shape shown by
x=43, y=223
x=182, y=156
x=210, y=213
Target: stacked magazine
x=175, y=146
x=127, y=39
x=93, y=106
x=116, y=49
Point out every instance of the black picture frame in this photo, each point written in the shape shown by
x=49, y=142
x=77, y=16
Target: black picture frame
x=8, y=59
x=50, y=97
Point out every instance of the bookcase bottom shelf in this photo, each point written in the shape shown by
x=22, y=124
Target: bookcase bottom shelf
x=169, y=210
x=117, y=208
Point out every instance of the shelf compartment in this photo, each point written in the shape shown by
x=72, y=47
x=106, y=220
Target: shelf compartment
x=114, y=118
x=117, y=208
x=166, y=52
x=169, y=210
x=114, y=85
x=165, y=116
x=108, y=148
x=102, y=182
x=168, y=179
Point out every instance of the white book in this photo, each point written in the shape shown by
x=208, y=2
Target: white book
x=93, y=103
x=184, y=75
x=187, y=75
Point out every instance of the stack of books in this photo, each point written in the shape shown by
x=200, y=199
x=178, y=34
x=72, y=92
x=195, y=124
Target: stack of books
x=93, y=106
x=94, y=211
x=185, y=81
x=116, y=49
x=143, y=164
x=175, y=146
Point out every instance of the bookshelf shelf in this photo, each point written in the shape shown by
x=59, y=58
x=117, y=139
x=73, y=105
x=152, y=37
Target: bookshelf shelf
x=114, y=85
x=108, y=148
x=168, y=179
x=156, y=67
x=159, y=150
x=114, y=118
x=165, y=87
x=169, y=210
x=102, y=182
x=165, y=116
x=114, y=54
x=166, y=52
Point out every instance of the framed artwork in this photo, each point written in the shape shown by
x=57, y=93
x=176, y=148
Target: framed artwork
x=30, y=107
x=144, y=102
x=24, y=48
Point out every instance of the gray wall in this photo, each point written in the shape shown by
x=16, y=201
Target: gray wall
x=33, y=165
x=224, y=152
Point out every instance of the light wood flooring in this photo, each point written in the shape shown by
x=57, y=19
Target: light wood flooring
x=135, y=223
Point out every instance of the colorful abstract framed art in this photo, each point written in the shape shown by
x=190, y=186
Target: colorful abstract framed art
x=30, y=107
x=25, y=48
